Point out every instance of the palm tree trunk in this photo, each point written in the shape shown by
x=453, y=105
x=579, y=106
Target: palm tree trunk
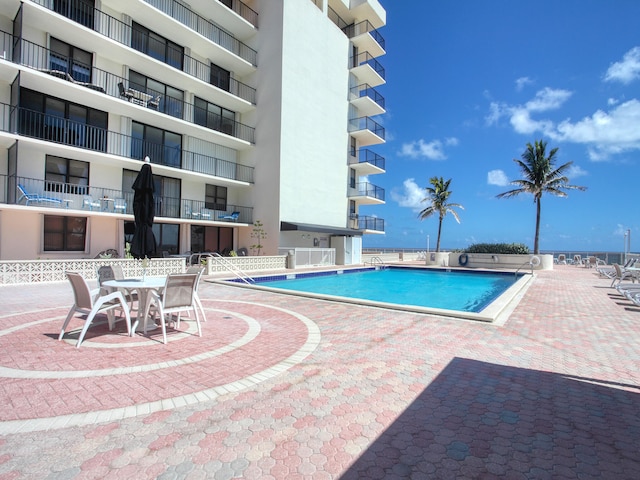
x=439, y=231
x=536, y=248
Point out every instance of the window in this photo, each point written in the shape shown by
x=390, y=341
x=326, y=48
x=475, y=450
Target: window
x=220, y=77
x=156, y=46
x=72, y=60
x=80, y=11
x=171, y=99
x=353, y=146
x=215, y=197
x=162, y=146
x=61, y=121
x=352, y=178
x=211, y=239
x=64, y=234
x=214, y=117
x=167, y=237
x=66, y=175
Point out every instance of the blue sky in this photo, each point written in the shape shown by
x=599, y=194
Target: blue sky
x=471, y=82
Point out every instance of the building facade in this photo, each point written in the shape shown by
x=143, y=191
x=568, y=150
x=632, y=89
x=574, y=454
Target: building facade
x=255, y=114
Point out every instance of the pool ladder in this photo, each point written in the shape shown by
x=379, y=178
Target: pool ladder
x=239, y=273
x=376, y=261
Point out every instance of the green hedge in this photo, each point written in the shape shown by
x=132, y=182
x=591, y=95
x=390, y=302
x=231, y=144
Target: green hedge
x=502, y=248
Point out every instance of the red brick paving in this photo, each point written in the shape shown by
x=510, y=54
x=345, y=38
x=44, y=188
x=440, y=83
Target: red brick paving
x=553, y=393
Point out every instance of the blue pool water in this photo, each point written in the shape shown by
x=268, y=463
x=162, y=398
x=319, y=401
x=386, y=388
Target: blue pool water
x=449, y=290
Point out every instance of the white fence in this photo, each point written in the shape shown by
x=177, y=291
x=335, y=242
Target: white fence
x=311, y=256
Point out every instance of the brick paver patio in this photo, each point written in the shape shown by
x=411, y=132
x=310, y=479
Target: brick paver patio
x=290, y=387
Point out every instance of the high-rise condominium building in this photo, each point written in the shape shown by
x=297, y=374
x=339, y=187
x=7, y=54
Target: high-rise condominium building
x=255, y=114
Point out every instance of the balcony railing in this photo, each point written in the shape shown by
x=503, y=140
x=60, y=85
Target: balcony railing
x=371, y=223
x=365, y=58
x=365, y=90
x=366, y=123
x=368, y=190
x=335, y=18
x=41, y=58
x=243, y=10
x=367, y=156
x=55, y=129
x=365, y=26
x=120, y=32
x=107, y=200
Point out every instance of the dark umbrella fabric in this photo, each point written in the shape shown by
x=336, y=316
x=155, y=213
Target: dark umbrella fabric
x=143, y=243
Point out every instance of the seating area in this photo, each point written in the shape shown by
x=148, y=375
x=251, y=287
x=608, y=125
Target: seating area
x=229, y=216
x=167, y=298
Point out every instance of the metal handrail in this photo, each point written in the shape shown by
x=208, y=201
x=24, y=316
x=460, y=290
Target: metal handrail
x=238, y=272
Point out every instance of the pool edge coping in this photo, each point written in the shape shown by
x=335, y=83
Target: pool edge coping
x=496, y=313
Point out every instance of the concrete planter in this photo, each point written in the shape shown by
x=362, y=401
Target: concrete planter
x=500, y=261
x=439, y=259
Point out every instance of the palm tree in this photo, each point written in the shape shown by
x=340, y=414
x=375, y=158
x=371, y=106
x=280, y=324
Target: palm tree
x=540, y=176
x=437, y=195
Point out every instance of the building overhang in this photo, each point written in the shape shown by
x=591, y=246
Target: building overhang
x=306, y=227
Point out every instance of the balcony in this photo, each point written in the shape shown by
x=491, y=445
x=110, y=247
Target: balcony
x=59, y=130
x=366, y=38
x=366, y=193
x=367, y=69
x=366, y=131
x=367, y=100
x=118, y=31
x=359, y=10
x=371, y=224
x=68, y=198
x=366, y=162
x=40, y=58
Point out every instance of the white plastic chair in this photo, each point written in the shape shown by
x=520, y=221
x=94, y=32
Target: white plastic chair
x=177, y=297
x=91, y=302
x=197, y=271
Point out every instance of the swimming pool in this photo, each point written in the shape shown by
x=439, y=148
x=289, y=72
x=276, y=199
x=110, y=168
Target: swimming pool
x=477, y=295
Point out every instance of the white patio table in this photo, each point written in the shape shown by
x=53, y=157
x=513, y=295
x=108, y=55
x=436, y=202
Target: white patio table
x=143, y=286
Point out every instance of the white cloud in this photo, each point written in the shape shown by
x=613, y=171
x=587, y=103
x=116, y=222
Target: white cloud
x=520, y=115
x=574, y=171
x=522, y=82
x=605, y=133
x=612, y=101
x=497, y=177
x=420, y=149
x=627, y=70
x=410, y=196
x=433, y=150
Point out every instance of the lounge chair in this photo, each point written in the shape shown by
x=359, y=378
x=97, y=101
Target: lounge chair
x=90, y=203
x=90, y=303
x=622, y=274
x=35, y=197
x=562, y=259
x=233, y=216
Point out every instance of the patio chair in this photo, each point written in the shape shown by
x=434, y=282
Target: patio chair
x=233, y=216
x=197, y=271
x=120, y=205
x=115, y=272
x=177, y=297
x=124, y=93
x=90, y=203
x=35, y=197
x=91, y=302
x=562, y=259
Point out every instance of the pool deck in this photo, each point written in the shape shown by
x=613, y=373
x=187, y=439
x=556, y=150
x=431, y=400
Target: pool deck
x=291, y=387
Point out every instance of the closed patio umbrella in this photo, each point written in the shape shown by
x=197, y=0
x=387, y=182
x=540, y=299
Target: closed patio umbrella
x=143, y=243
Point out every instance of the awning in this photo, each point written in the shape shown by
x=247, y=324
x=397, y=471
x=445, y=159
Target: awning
x=306, y=227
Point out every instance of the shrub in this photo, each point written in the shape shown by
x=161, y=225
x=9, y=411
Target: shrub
x=501, y=248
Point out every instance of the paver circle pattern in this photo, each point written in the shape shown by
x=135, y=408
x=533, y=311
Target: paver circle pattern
x=106, y=373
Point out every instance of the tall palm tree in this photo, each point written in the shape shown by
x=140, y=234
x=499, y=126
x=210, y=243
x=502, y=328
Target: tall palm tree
x=540, y=176
x=438, y=195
